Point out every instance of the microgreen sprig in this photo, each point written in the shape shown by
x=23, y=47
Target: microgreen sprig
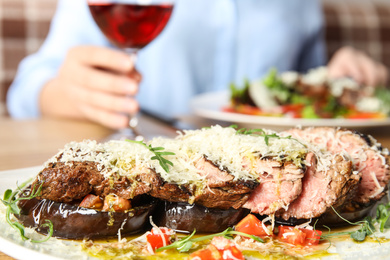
x=10, y=200
x=366, y=228
x=158, y=154
x=186, y=243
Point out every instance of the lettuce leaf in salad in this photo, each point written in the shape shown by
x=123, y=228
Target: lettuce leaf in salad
x=240, y=94
x=383, y=95
x=280, y=90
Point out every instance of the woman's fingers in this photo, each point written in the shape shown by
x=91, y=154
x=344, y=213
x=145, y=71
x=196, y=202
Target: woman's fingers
x=93, y=83
x=102, y=80
x=105, y=58
x=104, y=117
x=113, y=103
x=349, y=62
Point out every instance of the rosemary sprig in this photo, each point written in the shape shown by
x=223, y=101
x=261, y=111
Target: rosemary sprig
x=186, y=243
x=10, y=200
x=158, y=154
x=261, y=132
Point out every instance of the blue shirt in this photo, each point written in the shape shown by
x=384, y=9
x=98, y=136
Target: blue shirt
x=206, y=45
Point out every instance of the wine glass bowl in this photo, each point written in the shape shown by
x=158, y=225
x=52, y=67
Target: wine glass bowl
x=131, y=25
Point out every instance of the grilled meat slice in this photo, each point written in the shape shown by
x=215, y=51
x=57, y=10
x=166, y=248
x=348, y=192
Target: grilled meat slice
x=280, y=184
x=219, y=189
x=370, y=160
x=67, y=182
x=321, y=188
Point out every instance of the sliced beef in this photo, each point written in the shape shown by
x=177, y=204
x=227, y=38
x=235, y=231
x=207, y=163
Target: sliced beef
x=219, y=190
x=321, y=188
x=67, y=182
x=280, y=184
x=370, y=160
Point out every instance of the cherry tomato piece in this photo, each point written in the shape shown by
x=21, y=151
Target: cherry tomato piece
x=251, y=225
x=159, y=237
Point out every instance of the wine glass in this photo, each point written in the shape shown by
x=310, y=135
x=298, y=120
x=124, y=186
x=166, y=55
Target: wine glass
x=131, y=25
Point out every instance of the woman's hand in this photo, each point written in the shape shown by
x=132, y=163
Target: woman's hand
x=93, y=83
x=349, y=62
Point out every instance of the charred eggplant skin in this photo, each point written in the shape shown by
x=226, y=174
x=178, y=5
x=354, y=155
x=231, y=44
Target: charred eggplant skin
x=74, y=222
x=184, y=217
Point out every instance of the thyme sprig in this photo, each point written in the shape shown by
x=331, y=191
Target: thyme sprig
x=11, y=199
x=158, y=154
x=186, y=243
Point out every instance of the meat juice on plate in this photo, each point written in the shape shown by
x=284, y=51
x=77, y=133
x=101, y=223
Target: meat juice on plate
x=130, y=25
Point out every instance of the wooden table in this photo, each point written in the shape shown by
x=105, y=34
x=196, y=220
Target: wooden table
x=32, y=142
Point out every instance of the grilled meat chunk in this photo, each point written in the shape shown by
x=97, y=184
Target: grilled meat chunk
x=369, y=159
x=321, y=188
x=280, y=184
x=67, y=182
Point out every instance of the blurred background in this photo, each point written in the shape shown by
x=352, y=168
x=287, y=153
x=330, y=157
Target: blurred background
x=24, y=24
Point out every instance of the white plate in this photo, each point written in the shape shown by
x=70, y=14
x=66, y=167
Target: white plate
x=11, y=243
x=209, y=105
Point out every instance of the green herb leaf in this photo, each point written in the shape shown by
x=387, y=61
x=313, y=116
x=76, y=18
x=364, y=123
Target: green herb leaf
x=11, y=199
x=366, y=228
x=359, y=235
x=158, y=154
x=186, y=243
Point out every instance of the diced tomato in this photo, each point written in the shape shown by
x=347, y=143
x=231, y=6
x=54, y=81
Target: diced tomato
x=312, y=236
x=251, y=225
x=159, y=237
x=227, y=249
x=210, y=253
x=115, y=203
x=291, y=235
x=299, y=236
x=92, y=202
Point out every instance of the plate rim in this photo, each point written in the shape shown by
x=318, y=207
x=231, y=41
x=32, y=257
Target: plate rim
x=209, y=105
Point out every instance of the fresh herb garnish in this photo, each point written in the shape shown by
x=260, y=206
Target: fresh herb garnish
x=158, y=154
x=186, y=243
x=366, y=228
x=382, y=216
x=10, y=200
x=261, y=132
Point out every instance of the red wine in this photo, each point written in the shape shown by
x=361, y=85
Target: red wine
x=130, y=25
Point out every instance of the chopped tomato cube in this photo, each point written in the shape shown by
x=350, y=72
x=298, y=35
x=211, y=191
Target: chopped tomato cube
x=291, y=235
x=299, y=236
x=92, y=202
x=159, y=237
x=312, y=236
x=251, y=225
x=210, y=253
x=227, y=249
x=115, y=203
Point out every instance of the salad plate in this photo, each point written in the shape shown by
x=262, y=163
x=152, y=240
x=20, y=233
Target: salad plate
x=211, y=106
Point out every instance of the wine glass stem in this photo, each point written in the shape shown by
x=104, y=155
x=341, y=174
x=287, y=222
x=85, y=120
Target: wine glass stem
x=133, y=119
